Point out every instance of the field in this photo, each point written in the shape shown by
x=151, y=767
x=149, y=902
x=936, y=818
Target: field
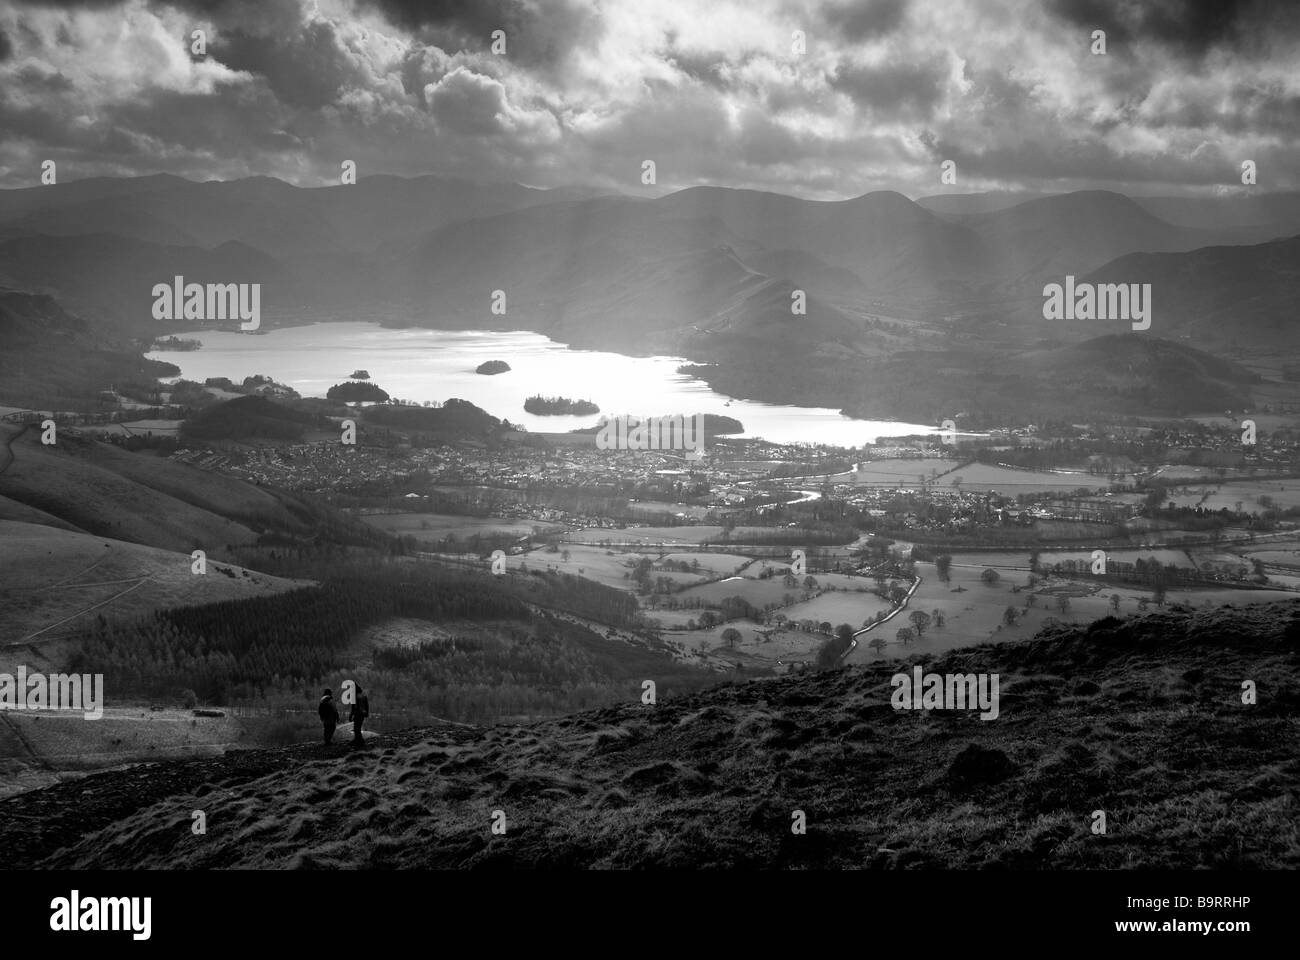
x=757, y=592
x=1284, y=553
x=612, y=567
x=717, y=564
x=68, y=746
x=1184, y=471
x=437, y=526
x=669, y=536
x=1176, y=558
x=974, y=476
x=975, y=614
x=594, y=563
x=655, y=508
x=838, y=606
x=897, y=473
x=1285, y=495
x=140, y=428
x=1009, y=482
x=754, y=651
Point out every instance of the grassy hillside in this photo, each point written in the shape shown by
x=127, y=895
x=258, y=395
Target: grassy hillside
x=152, y=501
x=1142, y=719
x=57, y=581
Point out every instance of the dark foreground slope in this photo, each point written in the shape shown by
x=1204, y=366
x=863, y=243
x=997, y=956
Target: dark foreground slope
x=1142, y=719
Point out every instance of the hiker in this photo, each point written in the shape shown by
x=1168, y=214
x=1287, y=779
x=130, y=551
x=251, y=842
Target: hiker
x=329, y=715
x=360, y=710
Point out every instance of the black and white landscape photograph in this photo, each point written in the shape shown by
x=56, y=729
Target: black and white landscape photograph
x=762, y=436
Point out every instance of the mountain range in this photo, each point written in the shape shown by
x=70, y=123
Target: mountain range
x=706, y=272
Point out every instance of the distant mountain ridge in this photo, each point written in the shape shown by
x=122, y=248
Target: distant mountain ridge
x=729, y=276
x=570, y=259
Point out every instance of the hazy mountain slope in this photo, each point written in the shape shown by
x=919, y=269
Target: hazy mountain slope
x=1142, y=374
x=1127, y=375
x=882, y=237
x=568, y=265
x=607, y=270
x=277, y=218
x=48, y=355
x=758, y=321
x=618, y=268
x=807, y=272
x=1257, y=217
x=1216, y=295
x=960, y=205
x=1142, y=719
x=1269, y=215
x=102, y=276
x=261, y=212
x=625, y=265
x=1074, y=234
x=19, y=202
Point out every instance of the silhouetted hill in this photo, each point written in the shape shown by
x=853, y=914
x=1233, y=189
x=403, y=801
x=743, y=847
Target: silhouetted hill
x=1141, y=718
x=248, y=418
x=454, y=420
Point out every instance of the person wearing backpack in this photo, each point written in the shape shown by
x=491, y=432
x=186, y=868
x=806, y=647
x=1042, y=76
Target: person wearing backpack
x=329, y=715
x=360, y=710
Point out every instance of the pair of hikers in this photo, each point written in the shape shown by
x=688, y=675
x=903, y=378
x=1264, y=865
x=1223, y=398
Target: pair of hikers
x=329, y=716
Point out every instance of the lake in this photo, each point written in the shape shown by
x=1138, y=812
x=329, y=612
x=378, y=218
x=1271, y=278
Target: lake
x=418, y=365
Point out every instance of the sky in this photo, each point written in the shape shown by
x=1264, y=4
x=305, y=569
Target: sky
x=823, y=100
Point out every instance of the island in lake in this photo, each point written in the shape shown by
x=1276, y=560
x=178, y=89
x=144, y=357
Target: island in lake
x=360, y=375
x=176, y=343
x=557, y=406
x=354, y=392
x=490, y=367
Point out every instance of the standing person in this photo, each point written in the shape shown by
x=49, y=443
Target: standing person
x=329, y=715
x=360, y=710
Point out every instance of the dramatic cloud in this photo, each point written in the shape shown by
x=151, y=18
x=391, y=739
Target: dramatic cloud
x=823, y=99
x=857, y=20
x=1188, y=28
